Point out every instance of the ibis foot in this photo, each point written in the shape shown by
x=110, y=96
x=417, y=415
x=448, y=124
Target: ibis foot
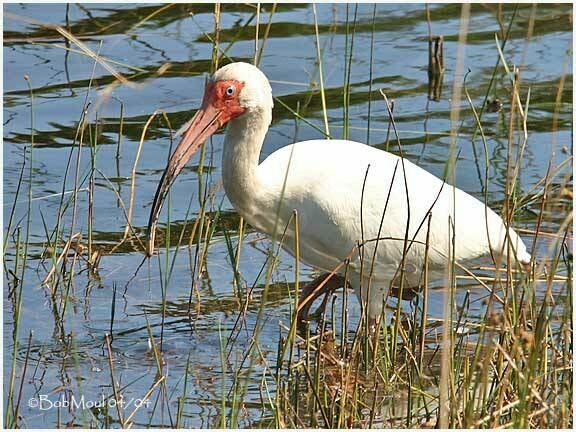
x=324, y=284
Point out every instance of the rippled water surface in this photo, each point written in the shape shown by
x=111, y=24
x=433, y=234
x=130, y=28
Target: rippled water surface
x=164, y=52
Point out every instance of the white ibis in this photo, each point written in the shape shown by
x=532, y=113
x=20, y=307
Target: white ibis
x=354, y=203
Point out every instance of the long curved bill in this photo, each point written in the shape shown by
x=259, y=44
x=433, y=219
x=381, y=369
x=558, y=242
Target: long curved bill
x=207, y=120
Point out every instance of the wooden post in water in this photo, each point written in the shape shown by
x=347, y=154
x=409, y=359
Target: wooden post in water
x=435, y=67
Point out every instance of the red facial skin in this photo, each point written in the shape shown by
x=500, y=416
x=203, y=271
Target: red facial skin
x=215, y=95
x=221, y=103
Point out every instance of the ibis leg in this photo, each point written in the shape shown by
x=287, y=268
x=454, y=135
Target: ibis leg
x=322, y=285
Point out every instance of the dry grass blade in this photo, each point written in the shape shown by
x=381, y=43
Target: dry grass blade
x=117, y=396
x=143, y=399
x=446, y=378
x=73, y=239
x=69, y=36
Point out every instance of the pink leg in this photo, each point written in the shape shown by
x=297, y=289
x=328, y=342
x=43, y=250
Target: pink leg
x=374, y=332
x=408, y=293
x=323, y=284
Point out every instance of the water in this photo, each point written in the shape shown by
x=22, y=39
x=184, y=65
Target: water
x=165, y=51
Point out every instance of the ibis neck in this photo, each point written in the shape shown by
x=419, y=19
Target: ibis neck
x=242, y=146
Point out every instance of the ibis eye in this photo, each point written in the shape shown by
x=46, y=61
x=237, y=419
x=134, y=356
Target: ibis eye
x=230, y=91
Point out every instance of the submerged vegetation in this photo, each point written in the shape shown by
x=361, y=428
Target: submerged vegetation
x=202, y=334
